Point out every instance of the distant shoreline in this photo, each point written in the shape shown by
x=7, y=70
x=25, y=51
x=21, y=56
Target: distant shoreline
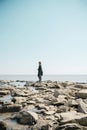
x=72, y=78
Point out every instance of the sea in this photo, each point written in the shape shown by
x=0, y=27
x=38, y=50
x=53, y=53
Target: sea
x=72, y=78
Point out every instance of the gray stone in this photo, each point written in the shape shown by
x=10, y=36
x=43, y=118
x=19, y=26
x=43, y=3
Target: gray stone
x=10, y=108
x=71, y=116
x=3, y=125
x=19, y=99
x=27, y=118
x=69, y=126
x=56, y=93
x=82, y=93
x=83, y=121
x=45, y=127
x=82, y=107
x=4, y=92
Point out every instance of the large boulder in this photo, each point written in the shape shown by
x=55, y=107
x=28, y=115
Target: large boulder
x=27, y=118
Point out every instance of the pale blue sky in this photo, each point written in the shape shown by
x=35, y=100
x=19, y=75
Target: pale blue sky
x=52, y=31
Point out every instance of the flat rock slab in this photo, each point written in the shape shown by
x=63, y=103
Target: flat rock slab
x=71, y=116
x=10, y=108
x=82, y=93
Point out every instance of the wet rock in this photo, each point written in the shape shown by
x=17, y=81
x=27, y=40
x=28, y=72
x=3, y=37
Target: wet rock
x=27, y=118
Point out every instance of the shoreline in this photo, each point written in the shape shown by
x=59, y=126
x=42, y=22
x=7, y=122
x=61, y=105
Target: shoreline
x=49, y=105
x=62, y=78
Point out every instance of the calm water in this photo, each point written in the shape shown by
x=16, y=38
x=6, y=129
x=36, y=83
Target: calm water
x=74, y=78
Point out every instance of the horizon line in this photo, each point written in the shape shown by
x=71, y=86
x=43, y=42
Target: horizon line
x=44, y=74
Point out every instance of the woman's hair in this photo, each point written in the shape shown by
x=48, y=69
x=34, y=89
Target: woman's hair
x=39, y=62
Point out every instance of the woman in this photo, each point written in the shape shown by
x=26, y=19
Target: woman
x=40, y=71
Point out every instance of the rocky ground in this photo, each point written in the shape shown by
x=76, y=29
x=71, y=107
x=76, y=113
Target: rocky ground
x=49, y=105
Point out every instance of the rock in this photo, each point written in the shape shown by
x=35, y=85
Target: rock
x=10, y=108
x=49, y=112
x=42, y=106
x=62, y=108
x=81, y=86
x=83, y=120
x=20, y=93
x=18, y=100
x=82, y=93
x=82, y=107
x=4, y=92
x=53, y=85
x=69, y=126
x=29, y=83
x=71, y=116
x=61, y=100
x=27, y=118
x=45, y=127
x=64, y=84
x=72, y=103
x=39, y=84
x=31, y=102
x=3, y=125
x=56, y=106
x=56, y=93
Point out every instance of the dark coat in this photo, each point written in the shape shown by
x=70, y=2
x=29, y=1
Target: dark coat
x=40, y=71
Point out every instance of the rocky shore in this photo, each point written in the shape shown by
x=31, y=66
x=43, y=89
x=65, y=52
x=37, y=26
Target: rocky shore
x=49, y=105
